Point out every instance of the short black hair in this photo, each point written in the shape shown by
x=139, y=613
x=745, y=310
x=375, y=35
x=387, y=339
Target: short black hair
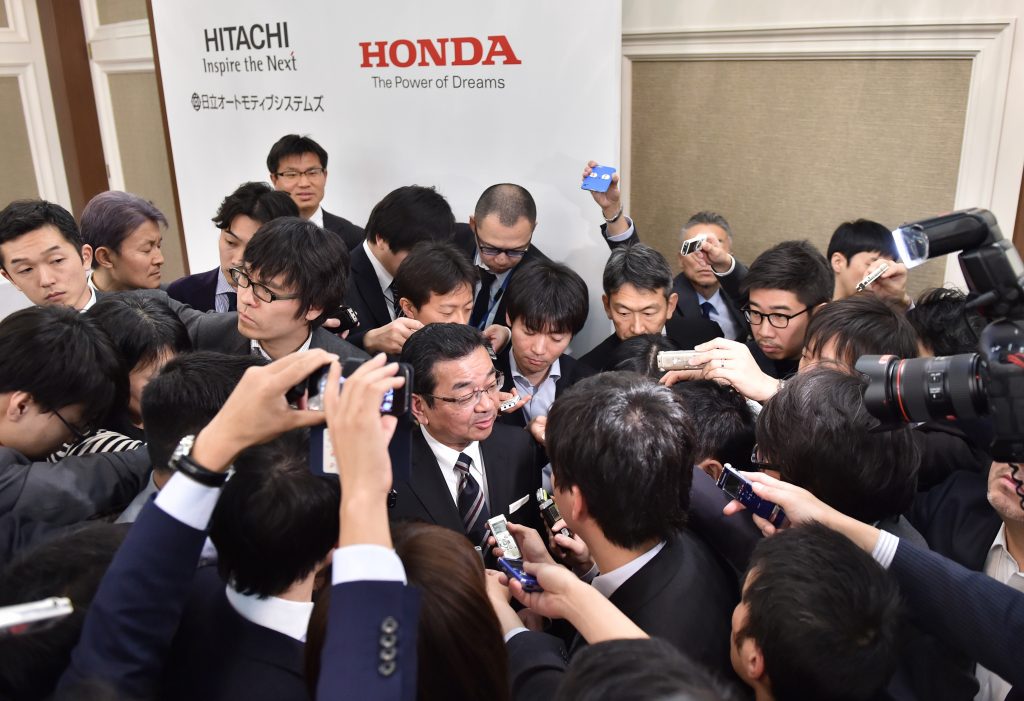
x=275, y=520
x=548, y=295
x=258, y=201
x=723, y=422
x=186, y=394
x=312, y=260
x=708, y=217
x=634, y=669
x=862, y=236
x=25, y=216
x=509, y=202
x=639, y=354
x=792, y=266
x=640, y=266
x=409, y=215
x=825, y=615
x=294, y=145
x=944, y=323
x=820, y=436
x=60, y=357
x=110, y=217
x=71, y=564
x=861, y=325
x=621, y=438
x=141, y=327
x=435, y=343
x=434, y=267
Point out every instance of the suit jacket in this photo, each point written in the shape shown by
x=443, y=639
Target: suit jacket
x=971, y=611
x=684, y=332
x=218, y=654
x=512, y=473
x=198, y=291
x=682, y=595
x=689, y=307
x=957, y=520
x=351, y=234
x=365, y=297
x=572, y=372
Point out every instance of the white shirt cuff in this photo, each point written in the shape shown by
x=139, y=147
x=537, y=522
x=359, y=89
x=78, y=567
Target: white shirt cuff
x=624, y=235
x=514, y=632
x=187, y=501
x=365, y=563
x=885, y=548
x=729, y=271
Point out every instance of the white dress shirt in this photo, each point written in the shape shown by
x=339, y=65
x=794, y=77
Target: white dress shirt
x=257, y=349
x=384, y=278
x=608, y=582
x=543, y=395
x=289, y=618
x=1000, y=566
x=720, y=313
x=318, y=217
x=446, y=458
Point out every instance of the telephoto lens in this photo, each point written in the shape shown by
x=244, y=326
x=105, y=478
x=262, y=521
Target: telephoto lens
x=924, y=389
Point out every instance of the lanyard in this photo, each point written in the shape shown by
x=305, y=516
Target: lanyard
x=494, y=302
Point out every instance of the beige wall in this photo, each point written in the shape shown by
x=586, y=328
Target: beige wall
x=17, y=175
x=789, y=149
x=114, y=11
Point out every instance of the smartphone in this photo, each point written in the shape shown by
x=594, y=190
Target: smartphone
x=509, y=403
x=504, y=539
x=678, y=360
x=692, y=245
x=514, y=569
x=395, y=402
x=599, y=180
x=34, y=616
x=871, y=277
x=346, y=316
x=738, y=487
x=549, y=510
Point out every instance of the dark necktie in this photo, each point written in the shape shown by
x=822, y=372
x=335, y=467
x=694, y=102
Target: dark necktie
x=706, y=308
x=394, y=300
x=232, y=301
x=472, y=507
x=483, y=298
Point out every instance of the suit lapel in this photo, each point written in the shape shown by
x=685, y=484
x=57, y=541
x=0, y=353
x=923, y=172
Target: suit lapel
x=650, y=580
x=500, y=473
x=366, y=282
x=429, y=486
x=687, y=304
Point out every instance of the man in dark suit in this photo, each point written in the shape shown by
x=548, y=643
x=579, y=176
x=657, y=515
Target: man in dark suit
x=638, y=299
x=292, y=273
x=499, y=234
x=465, y=469
x=700, y=293
x=298, y=166
x=546, y=306
x=404, y=218
x=617, y=443
x=238, y=217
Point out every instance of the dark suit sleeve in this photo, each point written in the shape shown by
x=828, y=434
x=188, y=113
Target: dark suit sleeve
x=969, y=610
x=352, y=663
x=132, y=620
x=634, y=237
x=536, y=665
x=732, y=284
x=80, y=486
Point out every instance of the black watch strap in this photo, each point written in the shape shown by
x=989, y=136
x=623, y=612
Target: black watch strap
x=181, y=461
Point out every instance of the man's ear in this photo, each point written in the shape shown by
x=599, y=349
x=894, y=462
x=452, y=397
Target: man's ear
x=7, y=276
x=838, y=262
x=579, y=504
x=18, y=404
x=103, y=257
x=673, y=300
x=313, y=313
x=472, y=224
x=752, y=661
x=87, y=256
x=711, y=466
x=418, y=407
x=607, y=307
x=407, y=308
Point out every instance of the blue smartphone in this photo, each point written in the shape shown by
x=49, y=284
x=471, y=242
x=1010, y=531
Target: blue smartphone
x=599, y=180
x=735, y=485
x=514, y=569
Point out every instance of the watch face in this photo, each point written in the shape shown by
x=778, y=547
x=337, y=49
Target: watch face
x=184, y=448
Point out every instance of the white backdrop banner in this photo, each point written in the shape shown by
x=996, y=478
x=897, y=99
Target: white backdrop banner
x=457, y=94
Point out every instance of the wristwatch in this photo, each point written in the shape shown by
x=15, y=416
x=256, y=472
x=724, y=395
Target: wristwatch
x=181, y=461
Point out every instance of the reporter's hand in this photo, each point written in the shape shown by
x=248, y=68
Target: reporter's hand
x=391, y=337
x=520, y=401
x=800, y=505
x=673, y=376
x=892, y=285
x=256, y=411
x=562, y=590
x=716, y=255
x=499, y=597
x=571, y=552
x=498, y=336
x=730, y=363
x=531, y=545
x=538, y=427
x=608, y=201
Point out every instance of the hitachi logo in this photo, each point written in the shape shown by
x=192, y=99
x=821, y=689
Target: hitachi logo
x=453, y=51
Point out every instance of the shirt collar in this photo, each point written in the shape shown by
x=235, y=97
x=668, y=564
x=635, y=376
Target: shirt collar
x=257, y=349
x=714, y=299
x=446, y=456
x=608, y=583
x=92, y=296
x=383, y=276
x=554, y=372
x=498, y=277
x=289, y=618
x=223, y=286
x=318, y=217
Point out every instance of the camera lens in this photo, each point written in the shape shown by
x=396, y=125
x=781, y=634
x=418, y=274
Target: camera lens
x=923, y=389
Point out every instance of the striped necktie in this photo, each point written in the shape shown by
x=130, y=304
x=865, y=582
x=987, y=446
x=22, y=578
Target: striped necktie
x=472, y=507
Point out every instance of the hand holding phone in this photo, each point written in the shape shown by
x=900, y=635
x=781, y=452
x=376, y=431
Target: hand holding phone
x=738, y=487
x=679, y=360
x=599, y=180
x=692, y=245
x=504, y=539
x=872, y=276
x=514, y=570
